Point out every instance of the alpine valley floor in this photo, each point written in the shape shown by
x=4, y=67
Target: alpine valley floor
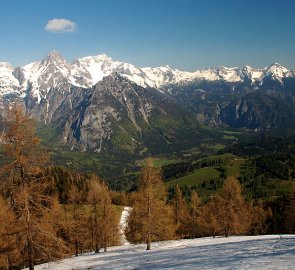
x=243, y=252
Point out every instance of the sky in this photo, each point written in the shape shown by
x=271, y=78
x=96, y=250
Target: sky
x=184, y=34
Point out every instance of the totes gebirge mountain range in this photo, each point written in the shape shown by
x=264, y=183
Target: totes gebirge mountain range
x=95, y=103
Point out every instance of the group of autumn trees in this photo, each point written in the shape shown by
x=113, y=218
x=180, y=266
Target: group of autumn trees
x=154, y=217
x=34, y=226
x=226, y=213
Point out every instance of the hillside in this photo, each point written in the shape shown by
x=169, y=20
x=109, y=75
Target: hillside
x=245, y=252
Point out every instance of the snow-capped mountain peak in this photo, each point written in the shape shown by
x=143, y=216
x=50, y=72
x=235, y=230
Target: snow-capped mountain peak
x=276, y=70
x=88, y=71
x=252, y=73
x=8, y=82
x=39, y=77
x=54, y=58
x=229, y=74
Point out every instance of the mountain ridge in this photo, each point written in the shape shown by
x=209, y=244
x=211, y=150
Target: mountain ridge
x=85, y=72
x=98, y=104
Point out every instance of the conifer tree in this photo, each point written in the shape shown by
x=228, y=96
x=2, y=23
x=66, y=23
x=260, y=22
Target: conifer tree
x=258, y=217
x=77, y=222
x=103, y=219
x=233, y=213
x=109, y=220
x=151, y=218
x=94, y=201
x=9, y=254
x=211, y=216
x=26, y=189
x=193, y=220
x=180, y=212
x=289, y=215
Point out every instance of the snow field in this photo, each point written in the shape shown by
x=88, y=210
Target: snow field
x=243, y=252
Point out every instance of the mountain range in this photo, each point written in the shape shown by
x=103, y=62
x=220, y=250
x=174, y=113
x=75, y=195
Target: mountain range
x=96, y=103
x=85, y=72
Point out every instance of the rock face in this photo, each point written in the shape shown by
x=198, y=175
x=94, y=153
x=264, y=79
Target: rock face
x=118, y=115
x=261, y=105
x=98, y=104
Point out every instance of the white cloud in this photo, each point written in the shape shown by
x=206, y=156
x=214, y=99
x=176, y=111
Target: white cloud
x=60, y=26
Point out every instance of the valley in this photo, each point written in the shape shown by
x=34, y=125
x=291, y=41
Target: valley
x=152, y=134
x=118, y=115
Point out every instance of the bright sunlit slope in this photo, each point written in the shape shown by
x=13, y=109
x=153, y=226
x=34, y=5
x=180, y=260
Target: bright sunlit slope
x=246, y=252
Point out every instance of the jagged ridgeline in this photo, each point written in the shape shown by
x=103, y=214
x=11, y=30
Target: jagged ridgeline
x=99, y=105
x=91, y=107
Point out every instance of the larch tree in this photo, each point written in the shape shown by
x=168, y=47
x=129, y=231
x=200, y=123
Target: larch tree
x=193, y=221
x=233, y=214
x=151, y=218
x=211, y=216
x=94, y=201
x=289, y=213
x=180, y=211
x=26, y=189
x=76, y=225
x=104, y=221
x=109, y=221
x=258, y=216
x=9, y=253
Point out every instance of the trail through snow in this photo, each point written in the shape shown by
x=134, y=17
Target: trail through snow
x=123, y=223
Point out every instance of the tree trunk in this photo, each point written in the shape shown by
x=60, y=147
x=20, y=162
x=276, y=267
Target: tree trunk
x=148, y=243
x=76, y=248
x=30, y=254
x=194, y=225
x=227, y=232
x=96, y=248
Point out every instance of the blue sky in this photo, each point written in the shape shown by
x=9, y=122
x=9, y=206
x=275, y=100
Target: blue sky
x=185, y=34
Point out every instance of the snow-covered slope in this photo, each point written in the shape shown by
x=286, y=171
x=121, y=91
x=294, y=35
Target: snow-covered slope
x=253, y=74
x=8, y=82
x=89, y=70
x=247, y=252
x=41, y=76
x=277, y=72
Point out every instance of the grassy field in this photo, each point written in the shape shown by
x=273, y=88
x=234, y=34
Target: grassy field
x=159, y=162
x=216, y=146
x=191, y=152
x=162, y=162
x=233, y=169
x=197, y=177
x=201, y=177
x=229, y=137
x=231, y=132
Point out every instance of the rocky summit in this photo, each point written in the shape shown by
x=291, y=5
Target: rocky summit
x=98, y=104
